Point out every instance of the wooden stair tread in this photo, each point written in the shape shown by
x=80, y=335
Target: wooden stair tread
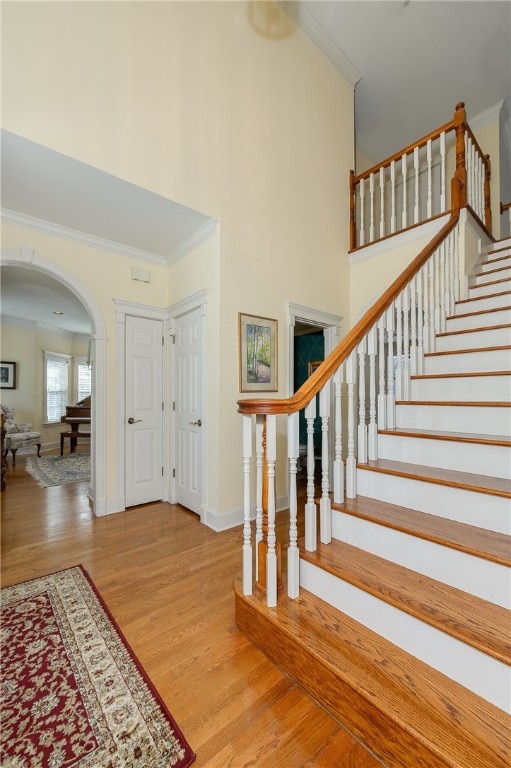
x=490, y=271
x=480, y=542
x=461, y=403
x=480, y=329
x=469, y=619
x=406, y=712
x=495, y=486
x=464, y=351
x=485, y=285
x=467, y=374
x=461, y=437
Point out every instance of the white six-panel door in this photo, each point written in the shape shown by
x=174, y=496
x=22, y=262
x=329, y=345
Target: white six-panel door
x=188, y=404
x=144, y=415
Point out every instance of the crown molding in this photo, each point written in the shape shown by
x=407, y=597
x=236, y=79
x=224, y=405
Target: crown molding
x=304, y=19
x=34, y=325
x=193, y=241
x=489, y=115
x=75, y=236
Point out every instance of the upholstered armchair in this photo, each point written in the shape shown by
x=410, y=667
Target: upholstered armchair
x=18, y=435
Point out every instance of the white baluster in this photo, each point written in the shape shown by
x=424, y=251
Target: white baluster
x=436, y=267
x=416, y=206
x=293, y=555
x=338, y=465
x=431, y=270
x=351, y=462
x=325, y=507
x=391, y=399
x=372, y=435
x=271, y=555
x=425, y=330
x=443, y=198
x=382, y=202
x=361, y=187
x=429, y=198
x=371, y=210
x=362, y=427
x=456, y=264
x=247, y=528
x=449, y=300
x=406, y=344
x=420, y=325
x=382, y=400
x=413, y=326
x=259, y=486
x=392, y=197
x=310, y=507
x=443, y=311
x=404, y=214
x=399, y=347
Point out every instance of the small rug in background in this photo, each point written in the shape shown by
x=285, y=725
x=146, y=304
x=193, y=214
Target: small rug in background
x=57, y=470
x=73, y=693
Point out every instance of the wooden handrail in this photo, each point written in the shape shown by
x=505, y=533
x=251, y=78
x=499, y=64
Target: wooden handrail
x=328, y=367
x=504, y=207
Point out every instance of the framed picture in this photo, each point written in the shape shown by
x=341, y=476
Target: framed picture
x=7, y=375
x=313, y=365
x=258, y=354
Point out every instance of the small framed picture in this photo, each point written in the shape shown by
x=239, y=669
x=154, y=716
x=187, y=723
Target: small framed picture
x=313, y=365
x=7, y=375
x=258, y=359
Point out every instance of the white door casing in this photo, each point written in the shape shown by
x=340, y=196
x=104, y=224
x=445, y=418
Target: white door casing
x=189, y=417
x=143, y=410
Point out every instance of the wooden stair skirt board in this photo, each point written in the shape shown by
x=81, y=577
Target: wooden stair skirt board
x=406, y=713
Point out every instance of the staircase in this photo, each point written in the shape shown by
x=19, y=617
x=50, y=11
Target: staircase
x=402, y=626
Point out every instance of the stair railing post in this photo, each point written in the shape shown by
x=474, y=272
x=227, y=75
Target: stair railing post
x=382, y=401
x=459, y=181
x=353, y=219
x=338, y=465
x=259, y=447
x=272, y=555
x=391, y=397
x=362, y=426
x=487, y=195
x=351, y=461
x=325, y=510
x=310, y=506
x=293, y=558
x=247, y=528
x=372, y=436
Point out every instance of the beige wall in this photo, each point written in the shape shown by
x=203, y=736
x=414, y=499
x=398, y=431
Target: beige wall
x=190, y=101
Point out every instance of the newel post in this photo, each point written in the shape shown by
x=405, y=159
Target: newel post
x=487, y=196
x=269, y=571
x=353, y=223
x=459, y=182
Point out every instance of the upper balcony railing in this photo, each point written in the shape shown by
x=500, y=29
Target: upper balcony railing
x=410, y=187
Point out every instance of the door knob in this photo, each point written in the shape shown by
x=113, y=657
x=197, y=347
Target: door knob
x=131, y=420
x=195, y=423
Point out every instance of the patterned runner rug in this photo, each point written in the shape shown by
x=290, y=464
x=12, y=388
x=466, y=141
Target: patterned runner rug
x=57, y=470
x=73, y=693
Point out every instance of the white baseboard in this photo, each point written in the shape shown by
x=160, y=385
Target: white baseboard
x=223, y=521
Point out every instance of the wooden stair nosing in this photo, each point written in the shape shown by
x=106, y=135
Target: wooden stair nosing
x=479, y=542
x=491, y=486
x=459, y=403
x=467, y=374
x=480, y=329
x=498, y=250
x=468, y=351
x=478, y=298
x=407, y=713
x=486, y=285
x=478, y=312
x=497, y=259
x=488, y=271
x=455, y=437
x=464, y=617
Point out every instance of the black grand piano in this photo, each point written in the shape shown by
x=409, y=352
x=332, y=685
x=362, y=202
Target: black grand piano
x=76, y=414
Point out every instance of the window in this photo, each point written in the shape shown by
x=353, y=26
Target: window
x=82, y=379
x=56, y=386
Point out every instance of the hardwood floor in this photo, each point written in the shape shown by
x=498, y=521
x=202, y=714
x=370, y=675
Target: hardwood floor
x=167, y=580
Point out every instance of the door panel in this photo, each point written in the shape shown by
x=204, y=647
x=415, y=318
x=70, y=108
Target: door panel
x=188, y=357
x=144, y=395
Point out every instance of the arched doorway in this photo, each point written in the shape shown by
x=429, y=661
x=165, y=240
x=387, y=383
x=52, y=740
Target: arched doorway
x=26, y=258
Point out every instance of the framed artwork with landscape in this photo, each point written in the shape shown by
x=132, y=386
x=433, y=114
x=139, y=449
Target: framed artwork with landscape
x=7, y=375
x=258, y=363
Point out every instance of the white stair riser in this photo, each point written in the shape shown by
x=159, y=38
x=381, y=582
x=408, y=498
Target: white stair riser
x=503, y=248
x=489, y=337
x=478, y=458
x=487, y=388
x=475, y=575
x=485, y=676
x=490, y=286
x=479, y=321
x=499, y=272
x=501, y=299
x=460, y=418
x=469, y=362
x=471, y=507
x=496, y=262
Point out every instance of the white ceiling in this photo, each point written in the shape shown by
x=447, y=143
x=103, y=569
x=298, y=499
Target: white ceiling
x=411, y=61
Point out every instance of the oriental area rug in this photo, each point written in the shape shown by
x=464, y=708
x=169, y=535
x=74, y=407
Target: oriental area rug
x=57, y=470
x=72, y=691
